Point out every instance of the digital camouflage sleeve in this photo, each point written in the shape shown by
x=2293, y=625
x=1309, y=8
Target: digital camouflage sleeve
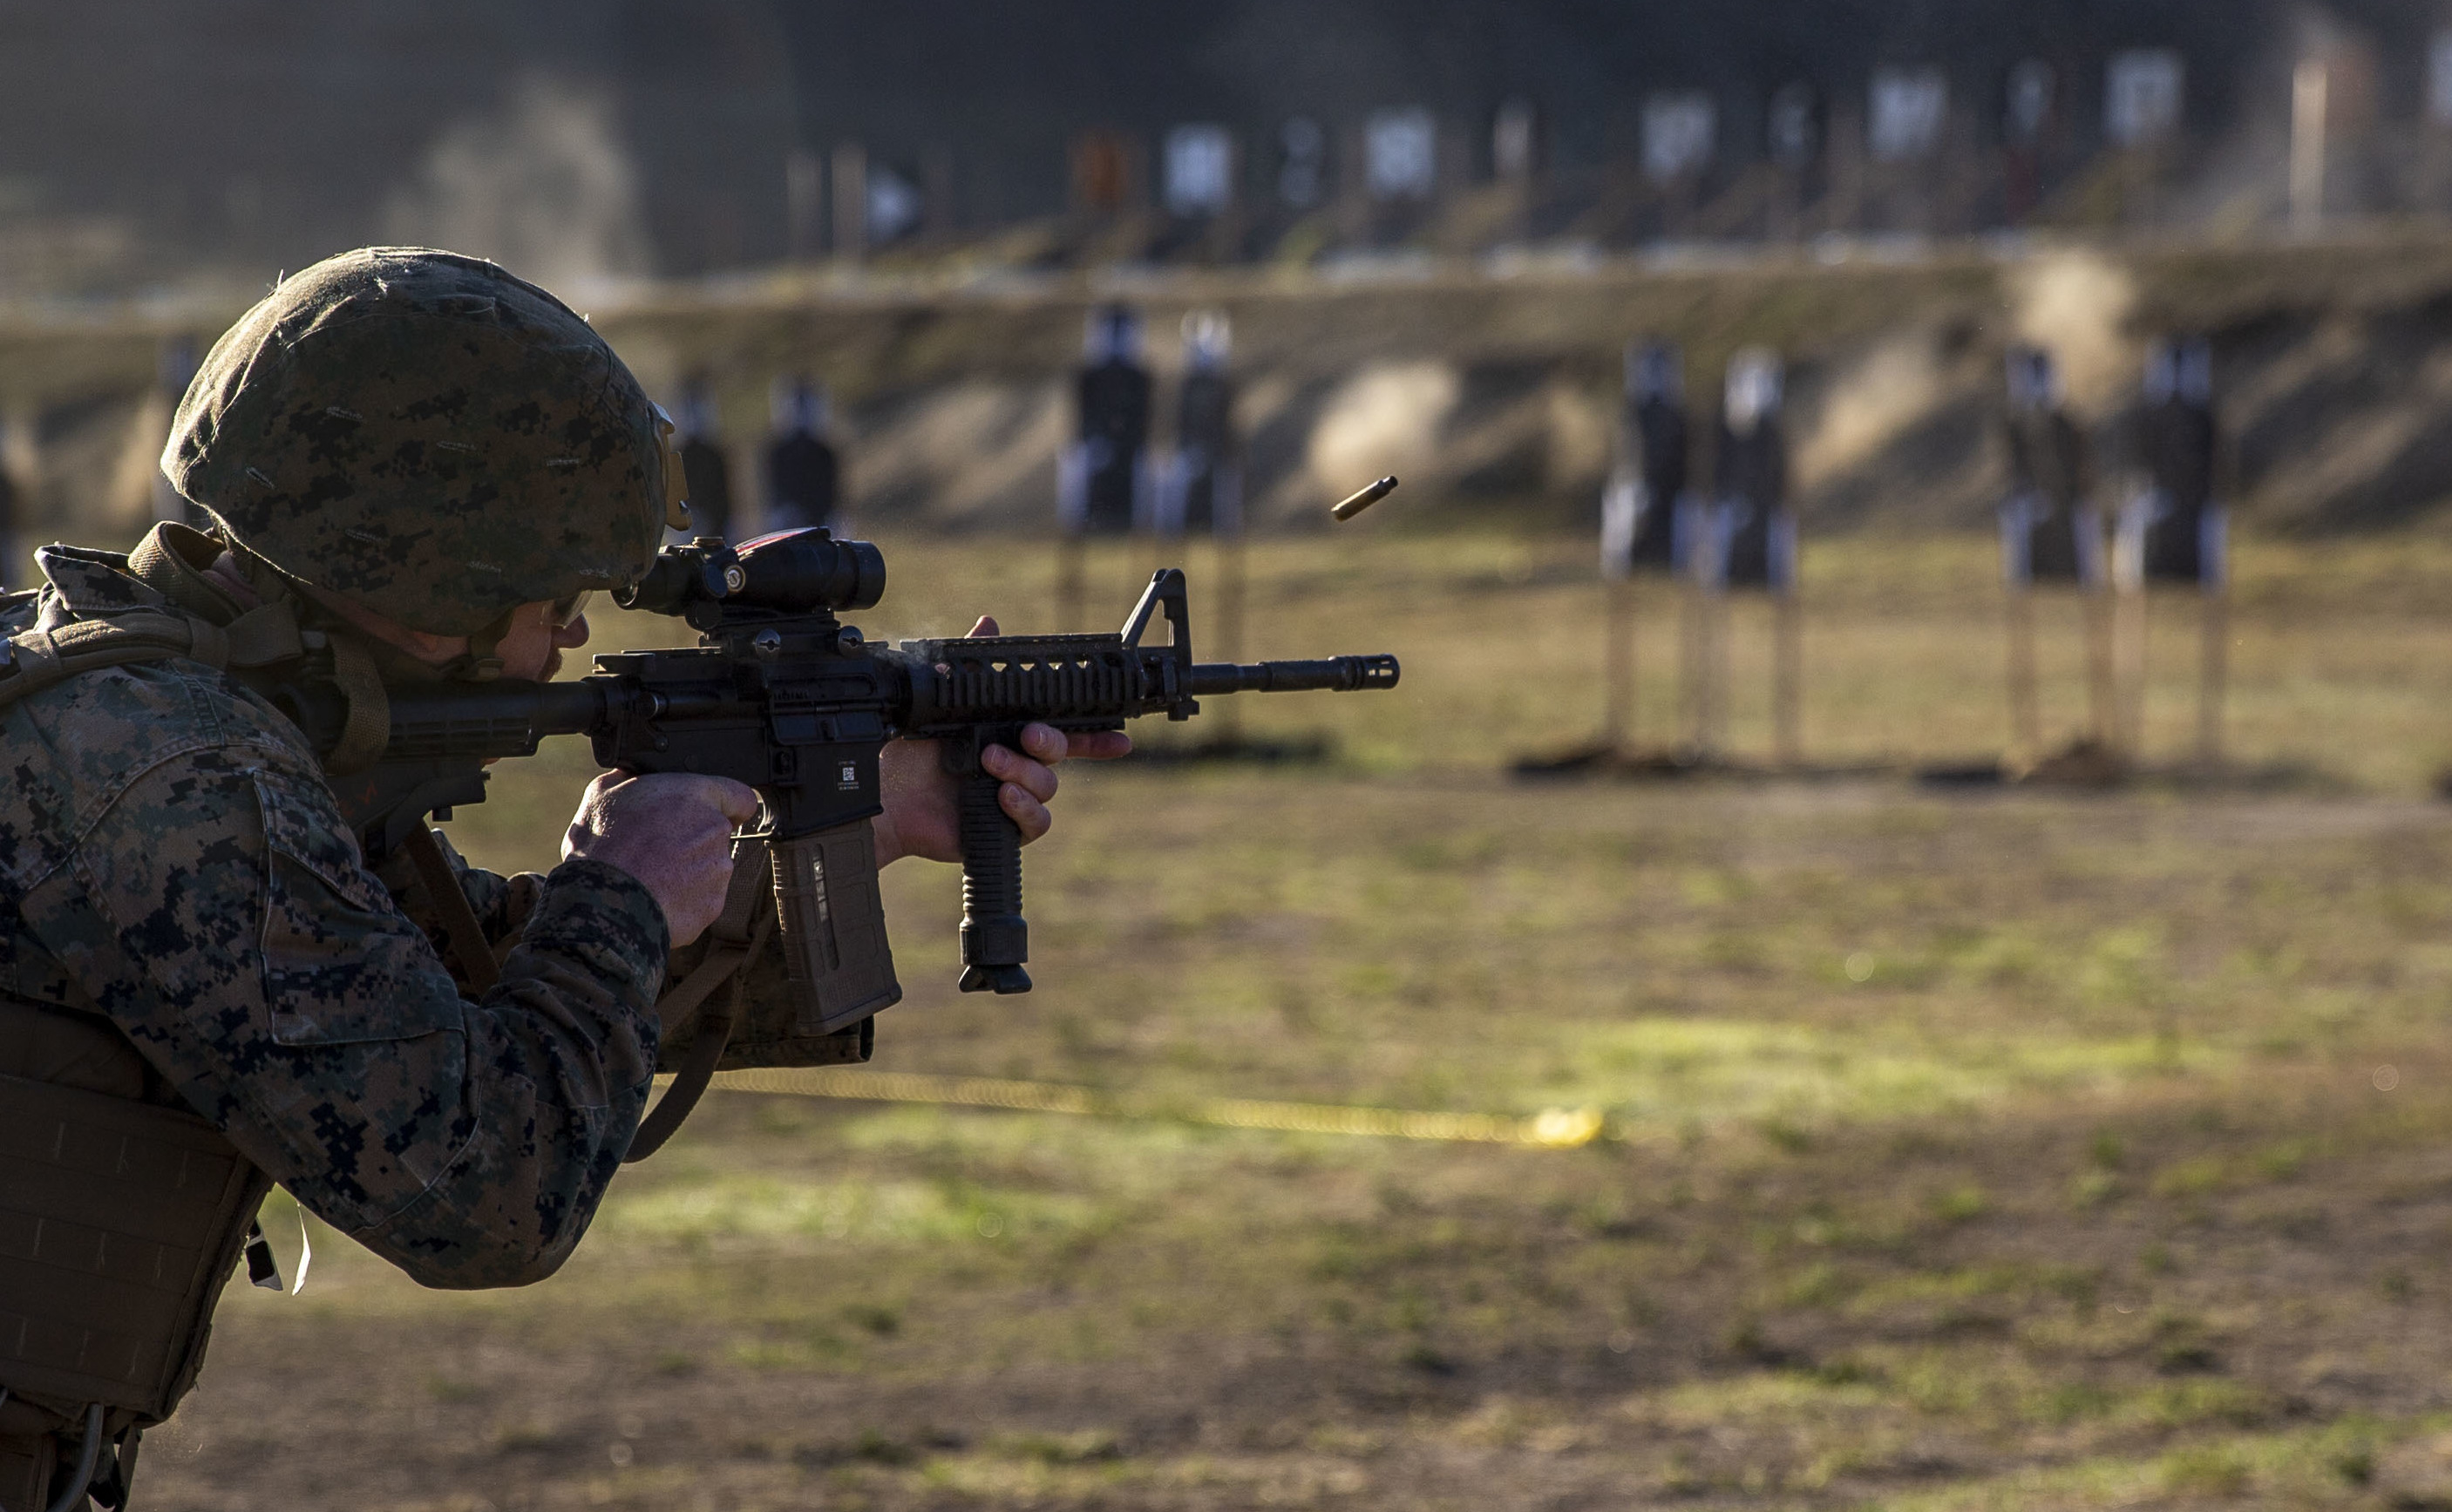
x=172, y=858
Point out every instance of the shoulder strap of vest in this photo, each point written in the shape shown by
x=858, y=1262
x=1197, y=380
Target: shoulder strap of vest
x=172, y=560
x=198, y=623
x=39, y=658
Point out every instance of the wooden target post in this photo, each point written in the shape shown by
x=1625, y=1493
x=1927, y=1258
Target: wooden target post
x=2175, y=529
x=1618, y=658
x=2095, y=605
x=1788, y=679
x=2127, y=655
x=1072, y=536
x=1072, y=526
x=1706, y=605
x=2212, y=675
x=1751, y=544
x=1787, y=647
x=2132, y=622
x=1621, y=509
x=2128, y=662
x=2026, y=712
x=2213, y=608
x=1103, y=479
x=1647, y=516
x=1068, y=584
x=1232, y=566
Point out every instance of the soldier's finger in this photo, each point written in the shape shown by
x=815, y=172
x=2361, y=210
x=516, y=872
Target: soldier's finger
x=1044, y=742
x=738, y=800
x=987, y=626
x=1098, y=745
x=735, y=801
x=1025, y=810
x=1038, y=780
x=1052, y=745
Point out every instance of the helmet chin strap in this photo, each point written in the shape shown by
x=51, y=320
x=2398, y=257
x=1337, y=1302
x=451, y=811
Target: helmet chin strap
x=482, y=663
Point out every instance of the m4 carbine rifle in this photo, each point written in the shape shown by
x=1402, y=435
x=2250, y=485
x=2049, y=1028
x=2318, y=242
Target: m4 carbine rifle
x=782, y=695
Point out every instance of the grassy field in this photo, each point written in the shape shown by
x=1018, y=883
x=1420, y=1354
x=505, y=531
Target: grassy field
x=2012, y=1149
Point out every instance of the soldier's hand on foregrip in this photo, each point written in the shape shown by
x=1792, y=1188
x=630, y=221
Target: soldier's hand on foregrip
x=1029, y=775
x=1028, y=778
x=922, y=809
x=673, y=831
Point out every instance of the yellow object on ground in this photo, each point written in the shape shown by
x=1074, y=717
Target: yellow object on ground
x=1554, y=1128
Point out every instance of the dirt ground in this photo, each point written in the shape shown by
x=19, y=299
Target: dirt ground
x=1996, y=1148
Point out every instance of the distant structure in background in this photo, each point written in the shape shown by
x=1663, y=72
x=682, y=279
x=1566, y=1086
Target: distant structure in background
x=1201, y=489
x=2176, y=525
x=1200, y=170
x=1515, y=142
x=1104, y=485
x=708, y=475
x=1754, y=533
x=1749, y=543
x=803, y=474
x=1302, y=163
x=2052, y=535
x=2142, y=91
x=1905, y=111
x=2030, y=122
x=1103, y=480
x=789, y=132
x=175, y=368
x=1102, y=171
x=1681, y=134
x=1794, y=131
x=2174, y=528
x=1400, y=157
x=1649, y=515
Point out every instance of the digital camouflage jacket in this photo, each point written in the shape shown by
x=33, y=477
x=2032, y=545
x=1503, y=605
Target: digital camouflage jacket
x=172, y=859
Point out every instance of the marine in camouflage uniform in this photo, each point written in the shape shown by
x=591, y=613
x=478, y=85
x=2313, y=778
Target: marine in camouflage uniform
x=187, y=922
x=175, y=862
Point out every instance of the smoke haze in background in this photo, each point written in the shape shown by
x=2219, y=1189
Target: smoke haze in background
x=1867, y=404
x=1385, y=419
x=543, y=186
x=2077, y=306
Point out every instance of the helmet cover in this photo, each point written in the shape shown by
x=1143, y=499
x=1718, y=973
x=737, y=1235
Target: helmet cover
x=427, y=435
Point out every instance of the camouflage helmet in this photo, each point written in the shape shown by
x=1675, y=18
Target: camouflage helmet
x=427, y=435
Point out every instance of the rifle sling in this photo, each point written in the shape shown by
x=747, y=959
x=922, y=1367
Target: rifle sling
x=368, y=727
x=459, y=924
x=736, y=935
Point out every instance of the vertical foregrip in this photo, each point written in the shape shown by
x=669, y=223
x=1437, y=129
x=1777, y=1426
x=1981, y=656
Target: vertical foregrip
x=994, y=939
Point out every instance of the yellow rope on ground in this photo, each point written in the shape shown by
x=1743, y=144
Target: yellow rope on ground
x=1553, y=1129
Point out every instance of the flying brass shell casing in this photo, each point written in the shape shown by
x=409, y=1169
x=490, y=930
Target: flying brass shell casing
x=1362, y=498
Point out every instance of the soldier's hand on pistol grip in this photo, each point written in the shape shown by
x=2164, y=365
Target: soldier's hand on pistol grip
x=921, y=816
x=673, y=831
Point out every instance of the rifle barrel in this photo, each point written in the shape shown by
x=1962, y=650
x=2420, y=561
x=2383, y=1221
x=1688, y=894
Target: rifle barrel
x=1335, y=674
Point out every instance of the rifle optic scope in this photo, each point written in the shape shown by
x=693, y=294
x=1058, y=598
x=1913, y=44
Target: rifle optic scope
x=791, y=572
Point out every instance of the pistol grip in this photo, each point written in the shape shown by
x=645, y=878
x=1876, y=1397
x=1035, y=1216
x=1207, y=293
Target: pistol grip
x=996, y=939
